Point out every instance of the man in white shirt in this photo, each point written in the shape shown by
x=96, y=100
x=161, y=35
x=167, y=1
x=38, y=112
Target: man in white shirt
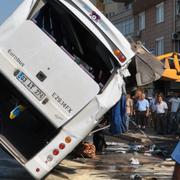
x=174, y=104
x=161, y=110
x=142, y=111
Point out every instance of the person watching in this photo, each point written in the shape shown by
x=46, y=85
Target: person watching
x=176, y=157
x=161, y=110
x=142, y=111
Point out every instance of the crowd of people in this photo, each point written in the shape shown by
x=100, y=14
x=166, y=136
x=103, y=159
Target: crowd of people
x=161, y=113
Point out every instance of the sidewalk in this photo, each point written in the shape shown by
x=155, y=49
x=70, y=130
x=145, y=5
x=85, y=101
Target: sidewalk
x=115, y=163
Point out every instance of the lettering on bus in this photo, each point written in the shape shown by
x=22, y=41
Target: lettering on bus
x=15, y=57
x=62, y=103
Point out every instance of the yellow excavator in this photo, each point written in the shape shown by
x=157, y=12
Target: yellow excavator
x=172, y=66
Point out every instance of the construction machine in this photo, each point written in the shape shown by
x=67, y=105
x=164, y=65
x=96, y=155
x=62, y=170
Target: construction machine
x=172, y=66
x=63, y=65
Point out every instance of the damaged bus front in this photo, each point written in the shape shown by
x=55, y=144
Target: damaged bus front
x=62, y=65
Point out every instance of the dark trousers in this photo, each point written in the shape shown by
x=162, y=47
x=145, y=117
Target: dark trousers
x=154, y=120
x=141, y=118
x=161, y=123
x=172, y=123
x=99, y=141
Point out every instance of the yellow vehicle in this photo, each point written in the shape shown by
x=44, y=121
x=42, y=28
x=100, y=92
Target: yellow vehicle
x=172, y=66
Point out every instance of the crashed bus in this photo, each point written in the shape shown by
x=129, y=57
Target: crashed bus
x=63, y=65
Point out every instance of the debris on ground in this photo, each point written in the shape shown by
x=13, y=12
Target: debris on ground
x=135, y=177
x=85, y=150
x=148, y=161
x=134, y=161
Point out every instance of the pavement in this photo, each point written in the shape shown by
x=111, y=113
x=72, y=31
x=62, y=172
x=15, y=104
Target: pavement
x=113, y=167
x=113, y=164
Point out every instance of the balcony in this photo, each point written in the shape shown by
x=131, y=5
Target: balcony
x=139, y=6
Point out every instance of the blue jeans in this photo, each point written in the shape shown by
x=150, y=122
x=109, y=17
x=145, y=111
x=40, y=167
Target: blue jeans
x=127, y=121
x=176, y=153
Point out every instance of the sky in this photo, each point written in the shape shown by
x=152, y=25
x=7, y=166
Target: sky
x=7, y=7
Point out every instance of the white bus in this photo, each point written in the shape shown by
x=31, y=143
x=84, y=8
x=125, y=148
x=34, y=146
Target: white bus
x=62, y=65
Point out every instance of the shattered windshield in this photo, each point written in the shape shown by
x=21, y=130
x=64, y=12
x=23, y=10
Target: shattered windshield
x=71, y=35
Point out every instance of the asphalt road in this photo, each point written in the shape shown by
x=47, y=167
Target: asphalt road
x=10, y=169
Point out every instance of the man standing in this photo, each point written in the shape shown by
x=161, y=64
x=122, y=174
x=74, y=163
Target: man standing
x=142, y=111
x=129, y=109
x=161, y=110
x=176, y=157
x=137, y=97
x=174, y=104
x=153, y=102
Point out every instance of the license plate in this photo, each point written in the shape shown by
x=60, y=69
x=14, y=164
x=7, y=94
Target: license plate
x=30, y=86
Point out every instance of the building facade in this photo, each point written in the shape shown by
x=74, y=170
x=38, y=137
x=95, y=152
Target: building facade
x=121, y=15
x=176, y=34
x=99, y=4
x=155, y=24
x=124, y=20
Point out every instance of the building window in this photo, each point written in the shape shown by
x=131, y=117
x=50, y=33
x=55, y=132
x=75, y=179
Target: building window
x=108, y=1
x=110, y=14
x=178, y=7
x=160, y=13
x=159, y=46
x=128, y=6
x=126, y=27
x=141, y=21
